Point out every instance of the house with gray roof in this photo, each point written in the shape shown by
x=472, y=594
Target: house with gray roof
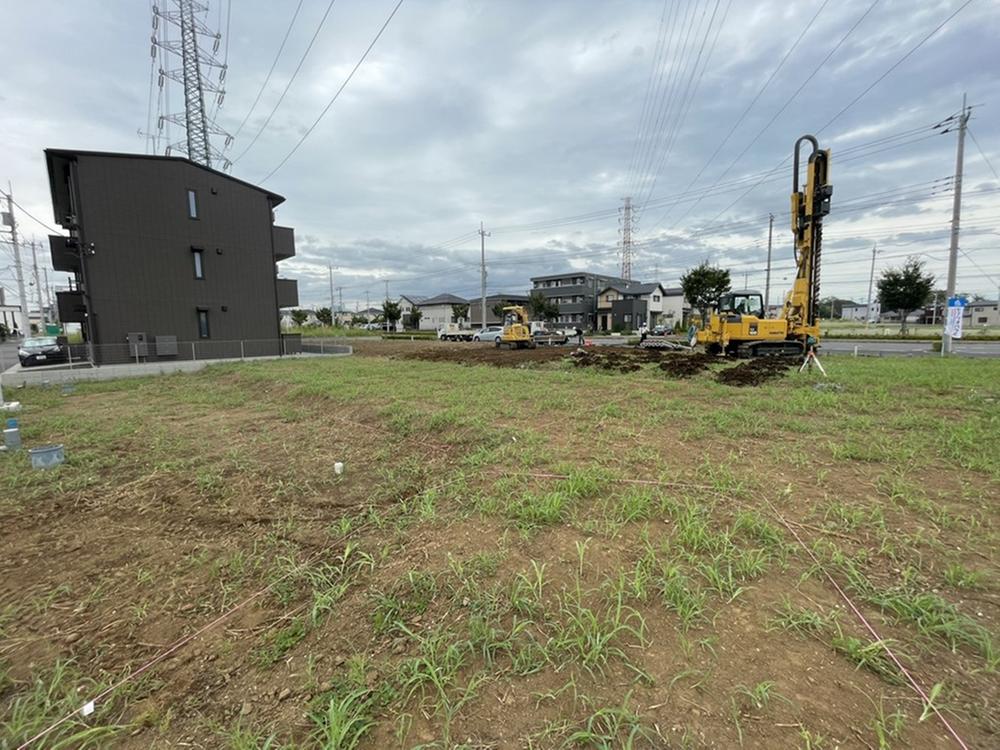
x=625, y=306
x=437, y=311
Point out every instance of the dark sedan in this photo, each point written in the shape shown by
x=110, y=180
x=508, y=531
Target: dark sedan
x=41, y=351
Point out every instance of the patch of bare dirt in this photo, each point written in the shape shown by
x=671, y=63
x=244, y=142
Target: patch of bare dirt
x=754, y=372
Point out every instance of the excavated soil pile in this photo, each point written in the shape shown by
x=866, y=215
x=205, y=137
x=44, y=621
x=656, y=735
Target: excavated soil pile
x=686, y=365
x=614, y=359
x=756, y=371
x=481, y=354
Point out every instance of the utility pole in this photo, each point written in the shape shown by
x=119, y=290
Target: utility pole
x=387, y=290
x=483, y=234
x=956, y=217
x=368, y=302
x=340, y=291
x=329, y=267
x=42, y=318
x=767, y=279
x=626, y=230
x=746, y=279
x=871, y=281
x=10, y=221
x=48, y=291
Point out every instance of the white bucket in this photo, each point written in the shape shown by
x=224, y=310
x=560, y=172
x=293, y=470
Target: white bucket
x=338, y=468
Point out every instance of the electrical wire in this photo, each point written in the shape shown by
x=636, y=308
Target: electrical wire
x=29, y=215
x=270, y=72
x=291, y=80
x=756, y=97
x=784, y=106
x=336, y=94
x=981, y=152
x=857, y=98
x=688, y=97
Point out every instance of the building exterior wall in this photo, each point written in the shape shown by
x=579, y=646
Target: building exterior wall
x=673, y=310
x=435, y=316
x=860, y=312
x=575, y=294
x=981, y=313
x=476, y=313
x=141, y=274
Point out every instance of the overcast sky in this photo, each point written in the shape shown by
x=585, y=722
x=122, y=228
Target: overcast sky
x=534, y=117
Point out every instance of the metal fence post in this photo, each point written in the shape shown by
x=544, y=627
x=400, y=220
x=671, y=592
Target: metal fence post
x=322, y=350
x=242, y=353
x=194, y=354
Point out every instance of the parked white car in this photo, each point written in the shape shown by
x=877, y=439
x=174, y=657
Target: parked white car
x=489, y=333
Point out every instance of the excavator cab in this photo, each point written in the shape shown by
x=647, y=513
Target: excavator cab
x=743, y=303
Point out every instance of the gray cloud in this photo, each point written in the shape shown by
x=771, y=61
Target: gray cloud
x=522, y=112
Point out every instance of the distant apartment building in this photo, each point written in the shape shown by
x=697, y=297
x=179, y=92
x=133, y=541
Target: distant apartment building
x=163, y=250
x=575, y=294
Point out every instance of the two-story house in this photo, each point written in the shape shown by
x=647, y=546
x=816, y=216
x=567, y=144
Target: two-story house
x=622, y=307
x=438, y=311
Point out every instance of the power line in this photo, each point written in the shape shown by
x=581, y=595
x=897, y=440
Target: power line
x=784, y=106
x=981, y=153
x=290, y=81
x=757, y=96
x=274, y=64
x=336, y=94
x=689, y=95
x=856, y=99
x=31, y=216
x=665, y=100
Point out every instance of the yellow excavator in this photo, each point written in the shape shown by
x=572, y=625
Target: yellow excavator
x=516, y=329
x=738, y=325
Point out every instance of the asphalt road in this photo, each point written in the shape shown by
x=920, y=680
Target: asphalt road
x=908, y=348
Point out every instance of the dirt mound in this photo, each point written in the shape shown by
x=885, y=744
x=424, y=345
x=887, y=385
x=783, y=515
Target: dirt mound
x=615, y=359
x=686, y=365
x=756, y=371
x=481, y=354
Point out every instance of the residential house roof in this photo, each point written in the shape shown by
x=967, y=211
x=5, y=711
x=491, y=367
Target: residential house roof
x=442, y=299
x=413, y=299
x=631, y=289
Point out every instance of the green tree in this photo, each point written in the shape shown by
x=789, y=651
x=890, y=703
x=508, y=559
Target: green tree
x=498, y=308
x=703, y=285
x=541, y=307
x=414, y=317
x=358, y=320
x=391, y=313
x=299, y=317
x=905, y=289
x=325, y=316
x=460, y=311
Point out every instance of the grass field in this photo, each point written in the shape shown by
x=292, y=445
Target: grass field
x=539, y=556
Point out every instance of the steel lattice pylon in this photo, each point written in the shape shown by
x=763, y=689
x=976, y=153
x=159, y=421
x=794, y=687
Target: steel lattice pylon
x=627, y=227
x=192, y=75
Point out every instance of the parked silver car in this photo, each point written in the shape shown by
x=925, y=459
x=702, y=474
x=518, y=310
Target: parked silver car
x=489, y=333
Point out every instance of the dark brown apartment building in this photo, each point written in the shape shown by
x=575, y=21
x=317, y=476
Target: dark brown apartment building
x=167, y=256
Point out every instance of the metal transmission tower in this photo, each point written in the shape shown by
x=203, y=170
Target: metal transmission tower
x=184, y=17
x=626, y=227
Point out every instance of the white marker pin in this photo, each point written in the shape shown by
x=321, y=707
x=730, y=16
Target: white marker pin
x=88, y=709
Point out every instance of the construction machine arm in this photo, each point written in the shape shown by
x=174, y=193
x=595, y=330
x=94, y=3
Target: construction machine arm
x=809, y=206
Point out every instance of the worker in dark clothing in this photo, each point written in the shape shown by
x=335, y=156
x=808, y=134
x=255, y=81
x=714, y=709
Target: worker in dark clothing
x=579, y=336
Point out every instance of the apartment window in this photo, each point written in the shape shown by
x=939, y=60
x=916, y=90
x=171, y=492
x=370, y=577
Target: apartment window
x=197, y=257
x=982, y=320
x=192, y=204
x=628, y=318
x=656, y=298
x=202, y=323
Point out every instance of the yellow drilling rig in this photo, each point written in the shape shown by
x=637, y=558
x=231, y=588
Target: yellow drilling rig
x=738, y=325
